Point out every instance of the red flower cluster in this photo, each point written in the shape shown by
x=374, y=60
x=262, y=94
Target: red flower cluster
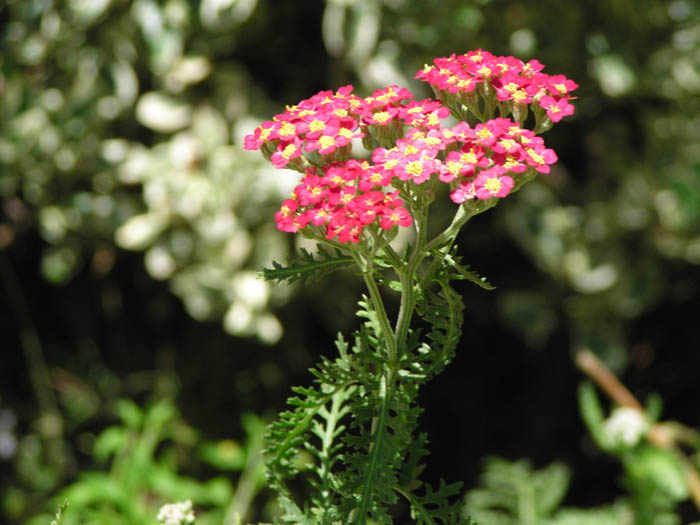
x=511, y=78
x=344, y=197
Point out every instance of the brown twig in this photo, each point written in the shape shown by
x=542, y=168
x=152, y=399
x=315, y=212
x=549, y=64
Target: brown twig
x=606, y=380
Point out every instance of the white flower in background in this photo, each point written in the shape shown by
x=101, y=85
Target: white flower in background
x=176, y=513
x=626, y=426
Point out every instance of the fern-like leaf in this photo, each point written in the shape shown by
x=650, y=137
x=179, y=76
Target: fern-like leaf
x=443, y=311
x=306, y=266
x=464, y=272
x=312, y=427
x=441, y=506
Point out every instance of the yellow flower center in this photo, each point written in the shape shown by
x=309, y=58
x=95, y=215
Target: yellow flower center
x=287, y=129
x=468, y=158
x=454, y=167
x=326, y=141
x=510, y=162
x=415, y=168
x=345, y=132
x=493, y=185
x=382, y=116
x=519, y=95
x=539, y=159
x=317, y=125
x=484, y=133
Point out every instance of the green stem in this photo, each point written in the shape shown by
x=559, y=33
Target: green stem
x=450, y=233
x=407, y=276
x=367, y=267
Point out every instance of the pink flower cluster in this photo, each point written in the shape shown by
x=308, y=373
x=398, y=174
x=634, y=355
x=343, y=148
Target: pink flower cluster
x=344, y=197
x=511, y=78
x=478, y=159
x=325, y=123
x=328, y=122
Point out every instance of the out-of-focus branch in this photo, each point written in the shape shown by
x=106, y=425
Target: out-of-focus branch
x=606, y=380
x=660, y=435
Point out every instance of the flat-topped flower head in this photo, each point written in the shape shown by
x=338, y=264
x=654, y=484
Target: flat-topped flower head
x=455, y=79
x=325, y=123
x=340, y=197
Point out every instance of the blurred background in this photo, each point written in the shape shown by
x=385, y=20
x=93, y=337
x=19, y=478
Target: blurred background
x=141, y=353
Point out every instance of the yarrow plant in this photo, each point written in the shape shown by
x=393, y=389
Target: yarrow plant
x=359, y=422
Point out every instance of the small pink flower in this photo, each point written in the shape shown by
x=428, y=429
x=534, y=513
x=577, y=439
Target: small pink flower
x=286, y=151
x=383, y=117
x=511, y=162
x=463, y=132
x=265, y=132
x=556, y=109
x=311, y=191
x=540, y=158
x=388, y=96
x=345, y=226
x=492, y=183
x=391, y=217
x=465, y=192
x=559, y=85
x=419, y=169
x=532, y=67
x=319, y=215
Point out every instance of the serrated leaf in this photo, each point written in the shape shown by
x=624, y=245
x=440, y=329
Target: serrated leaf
x=435, y=506
x=464, y=272
x=307, y=267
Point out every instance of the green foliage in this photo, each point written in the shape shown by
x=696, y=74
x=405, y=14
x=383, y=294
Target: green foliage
x=352, y=436
x=142, y=458
x=513, y=493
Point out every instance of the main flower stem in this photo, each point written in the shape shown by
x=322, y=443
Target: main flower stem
x=407, y=276
x=378, y=305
